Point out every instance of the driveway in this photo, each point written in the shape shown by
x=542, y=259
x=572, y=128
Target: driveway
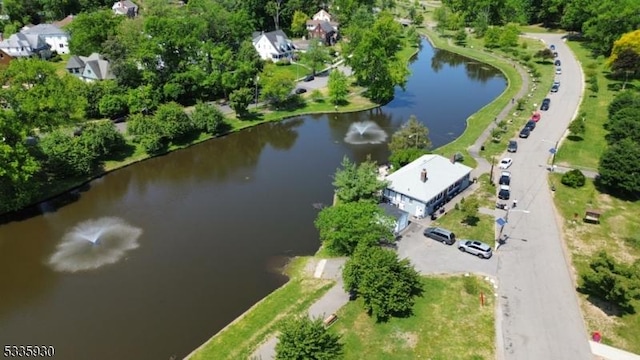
x=432, y=257
x=321, y=80
x=540, y=316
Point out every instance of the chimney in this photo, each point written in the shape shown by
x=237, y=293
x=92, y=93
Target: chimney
x=423, y=175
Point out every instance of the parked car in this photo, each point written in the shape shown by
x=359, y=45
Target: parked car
x=505, y=163
x=524, y=133
x=477, y=248
x=443, y=235
x=301, y=91
x=536, y=116
x=530, y=125
x=555, y=54
x=505, y=178
x=557, y=62
x=513, y=146
x=309, y=78
x=545, y=104
x=504, y=193
x=558, y=71
x=552, y=47
x=555, y=88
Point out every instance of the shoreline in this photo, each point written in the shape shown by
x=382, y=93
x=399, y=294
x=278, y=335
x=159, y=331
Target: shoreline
x=510, y=84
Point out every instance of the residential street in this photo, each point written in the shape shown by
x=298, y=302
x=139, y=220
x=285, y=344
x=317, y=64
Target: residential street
x=540, y=316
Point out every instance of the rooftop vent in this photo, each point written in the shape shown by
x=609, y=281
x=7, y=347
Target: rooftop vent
x=423, y=175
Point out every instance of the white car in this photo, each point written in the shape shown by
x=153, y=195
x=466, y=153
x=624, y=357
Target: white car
x=505, y=163
x=558, y=71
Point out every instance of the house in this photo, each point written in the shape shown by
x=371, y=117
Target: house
x=426, y=184
x=125, y=7
x=5, y=58
x=21, y=45
x=90, y=68
x=322, y=26
x=274, y=45
x=401, y=217
x=56, y=38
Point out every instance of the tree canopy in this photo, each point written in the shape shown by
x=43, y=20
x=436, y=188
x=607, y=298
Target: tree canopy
x=358, y=182
x=387, y=285
x=412, y=135
x=343, y=226
x=306, y=339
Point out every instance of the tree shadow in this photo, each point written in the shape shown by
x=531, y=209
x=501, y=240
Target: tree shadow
x=250, y=116
x=187, y=138
x=618, y=86
x=123, y=152
x=618, y=194
x=575, y=138
x=607, y=307
x=471, y=220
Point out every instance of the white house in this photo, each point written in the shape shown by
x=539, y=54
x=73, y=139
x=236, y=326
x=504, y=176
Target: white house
x=274, y=45
x=322, y=15
x=21, y=45
x=125, y=7
x=56, y=38
x=426, y=184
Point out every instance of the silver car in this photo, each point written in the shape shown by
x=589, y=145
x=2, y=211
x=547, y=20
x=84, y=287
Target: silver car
x=477, y=248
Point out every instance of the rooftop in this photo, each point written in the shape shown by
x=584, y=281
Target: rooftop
x=441, y=173
x=392, y=210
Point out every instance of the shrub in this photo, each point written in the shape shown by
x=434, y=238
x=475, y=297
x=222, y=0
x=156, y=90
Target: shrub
x=574, y=178
x=66, y=155
x=316, y=95
x=283, y=62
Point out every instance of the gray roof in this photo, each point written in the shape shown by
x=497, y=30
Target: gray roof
x=95, y=62
x=74, y=62
x=441, y=173
x=393, y=211
x=27, y=42
x=45, y=29
x=125, y=7
x=277, y=38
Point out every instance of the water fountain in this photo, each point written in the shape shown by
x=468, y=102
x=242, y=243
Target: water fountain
x=365, y=132
x=94, y=243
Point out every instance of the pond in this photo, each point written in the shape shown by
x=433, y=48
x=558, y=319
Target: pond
x=150, y=261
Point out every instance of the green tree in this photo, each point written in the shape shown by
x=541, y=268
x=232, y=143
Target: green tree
x=388, y=286
x=89, y=30
x=208, y=118
x=470, y=208
x=338, y=87
x=316, y=55
x=142, y=99
x=509, y=35
x=492, y=37
x=624, y=99
x=66, y=155
x=357, y=182
x=345, y=225
x=175, y=122
x=149, y=132
x=619, y=166
x=627, y=47
x=239, y=101
x=609, y=21
x=306, y=339
x=412, y=135
x=573, y=178
x=39, y=97
x=624, y=124
x=577, y=127
x=545, y=54
x=460, y=37
x=299, y=23
x=19, y=170
x=113, y=105
x=402, y=157
x=101, y=138
x=612, y=281
x=276, y=85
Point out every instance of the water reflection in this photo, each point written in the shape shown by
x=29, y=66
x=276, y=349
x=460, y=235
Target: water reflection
x=474, y=70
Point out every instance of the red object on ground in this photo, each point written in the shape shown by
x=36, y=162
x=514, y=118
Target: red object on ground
x=596, y=336
x=535, y=117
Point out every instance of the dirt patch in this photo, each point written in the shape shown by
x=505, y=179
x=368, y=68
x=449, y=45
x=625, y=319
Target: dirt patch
x=409, y=339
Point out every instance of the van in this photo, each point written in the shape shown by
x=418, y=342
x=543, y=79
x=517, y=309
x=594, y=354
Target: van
x=443, y=235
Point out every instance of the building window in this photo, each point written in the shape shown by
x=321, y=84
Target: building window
x=61, y=46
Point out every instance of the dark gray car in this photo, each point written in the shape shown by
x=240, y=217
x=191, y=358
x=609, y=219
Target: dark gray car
x=513, y=146
x=443, y=235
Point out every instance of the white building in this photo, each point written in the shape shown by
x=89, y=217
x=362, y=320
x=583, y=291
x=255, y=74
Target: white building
x=274, y=45
x=125, y=7
x=426, y=184
x=322, y=15
x=56, y=38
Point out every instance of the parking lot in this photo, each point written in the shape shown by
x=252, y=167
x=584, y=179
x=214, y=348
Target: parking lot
x=432, y=257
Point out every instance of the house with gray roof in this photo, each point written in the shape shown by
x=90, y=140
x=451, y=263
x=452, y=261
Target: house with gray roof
x=90, y=68
x=426, y=184
x=25, y=45
x=56, y=38
x=274, y=45
x=126, y=8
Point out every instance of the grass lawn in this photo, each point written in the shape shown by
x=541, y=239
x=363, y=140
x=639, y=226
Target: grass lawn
x=585, y=152
x=239, y=339
x=296, y=70
x=449, y=323
x=483, y=230
x=618, y=233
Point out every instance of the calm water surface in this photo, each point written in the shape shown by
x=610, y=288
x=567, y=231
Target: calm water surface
x=217, y=221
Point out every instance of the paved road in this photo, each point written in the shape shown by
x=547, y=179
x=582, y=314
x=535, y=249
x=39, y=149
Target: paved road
x=540, y=314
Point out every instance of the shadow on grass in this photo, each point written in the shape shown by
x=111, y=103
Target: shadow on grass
x=607, y=307
x=187, y=138
x=471, y=220
x=575, y=138
x=252, y=116
x=122, y=153
x=615, y=192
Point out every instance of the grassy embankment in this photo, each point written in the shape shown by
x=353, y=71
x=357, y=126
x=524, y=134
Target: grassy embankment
x=619, y=228
x=240, y=338
x=448, y=323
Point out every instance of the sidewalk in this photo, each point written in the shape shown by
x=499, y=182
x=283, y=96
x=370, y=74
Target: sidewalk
x=606, y=352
